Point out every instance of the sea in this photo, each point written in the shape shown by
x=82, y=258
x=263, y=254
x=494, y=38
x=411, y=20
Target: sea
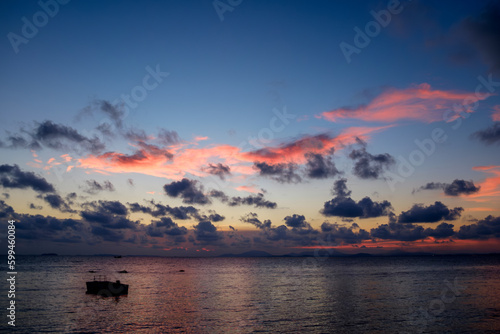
x=407, y=294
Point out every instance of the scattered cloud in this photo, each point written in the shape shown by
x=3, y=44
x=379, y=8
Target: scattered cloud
x=206, y=233
x=257, y=201
x=489, y=135
x=57, y=202
x=429, y=214
x=11, y=176
x=483, y=229
x=320, y=166
x=167, y=227
x=55, y=136
x=369, y=166
x=410, y=232
x=189, y=190
x=344, y=206
x=93, y=187
x=218, y=169
x=342, y=234
x=456, y=188
x=417, y=103
x=281, y=172
x=160, y=210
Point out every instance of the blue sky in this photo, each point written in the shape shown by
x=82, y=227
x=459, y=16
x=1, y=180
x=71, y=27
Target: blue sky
x=225, y=77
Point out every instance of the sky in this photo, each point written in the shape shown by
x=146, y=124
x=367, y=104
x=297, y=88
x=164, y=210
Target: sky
x=201, y=128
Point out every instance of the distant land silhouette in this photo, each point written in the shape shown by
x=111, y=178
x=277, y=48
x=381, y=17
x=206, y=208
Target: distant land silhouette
x=335, y=253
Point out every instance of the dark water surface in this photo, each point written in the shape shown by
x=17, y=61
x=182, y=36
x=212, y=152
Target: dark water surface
x=436, y=294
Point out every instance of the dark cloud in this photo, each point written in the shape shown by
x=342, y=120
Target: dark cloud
x=281, y=172
x=158, y=210
x=111, y=207
x=38, y=227
x=168, y=137
x=107, y=234
x=483, y=32
x=343, y=234
x=218, y=169
x=489, y=135
x=17, y=141
x=430, y=214
x=206, y=233
x=108, y=214
x=188, y=190
x=11, y=176
x=35, y=207
x=301, y=230
x=300, y=233
x=214, y=216
x=115, y=112
x=483, y=229
x=180, y=212
x=411, y=232
x=166, y=227
x=93, y=187
x=340, y=188
x=252, y=218
x=456, y=188
x=344, y=206
x=369, y=166
x=277, y=233
x=62, y=137
x=219, y=195
x=6, y=211
x=396, y=231
x=296, y=221
x=319, y=166
x=443, y=230
x=57, y=202
x=256, y=200
x=137, y=135
x=430, y=186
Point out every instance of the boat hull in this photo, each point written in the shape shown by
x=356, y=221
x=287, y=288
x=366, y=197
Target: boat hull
x=107, y=288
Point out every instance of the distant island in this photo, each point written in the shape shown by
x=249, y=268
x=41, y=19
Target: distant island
x=50, y=254
x=335, y=253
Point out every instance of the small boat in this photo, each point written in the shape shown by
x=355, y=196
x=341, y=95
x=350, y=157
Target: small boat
x=118, y=256
x=103, y=287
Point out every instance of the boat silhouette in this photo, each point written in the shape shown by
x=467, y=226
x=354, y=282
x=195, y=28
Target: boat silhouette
x=102, y=287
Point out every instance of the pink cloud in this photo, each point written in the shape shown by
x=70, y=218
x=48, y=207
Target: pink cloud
x=491, y=185
x=496, y=113
x=295, y=150
x=250, y=189
x=175, y=161
x=419, y=103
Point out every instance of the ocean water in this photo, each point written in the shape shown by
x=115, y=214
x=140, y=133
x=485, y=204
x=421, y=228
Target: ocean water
x=439, y=294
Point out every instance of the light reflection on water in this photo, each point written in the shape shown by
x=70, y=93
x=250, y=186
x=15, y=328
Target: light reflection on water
x=244, y=295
